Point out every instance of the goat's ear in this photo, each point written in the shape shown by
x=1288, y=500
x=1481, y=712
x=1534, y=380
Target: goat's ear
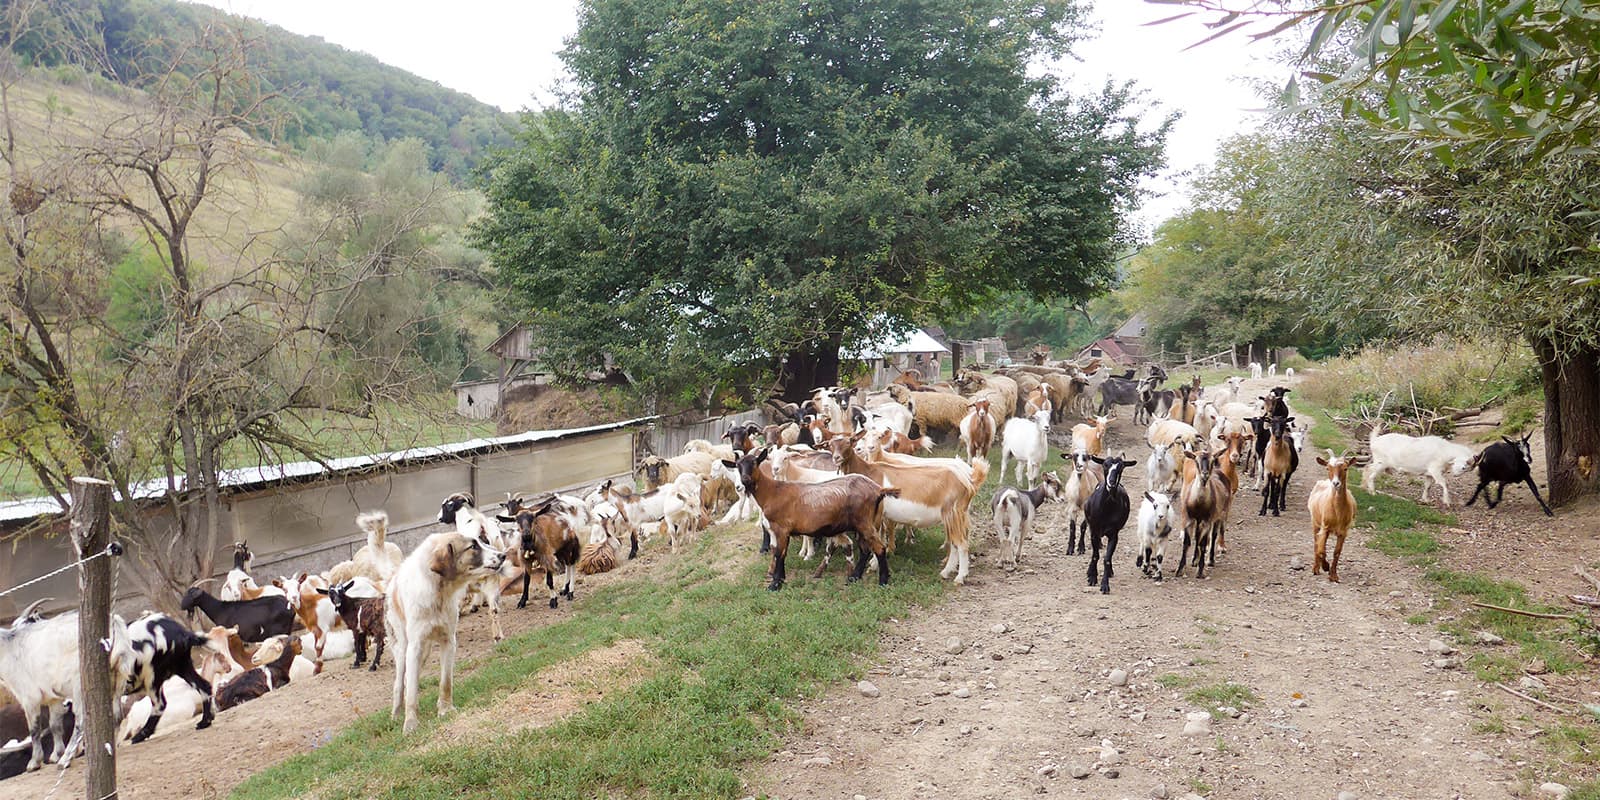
x=1097, y=459
x=1322, y=461
x=504, y=518
x=321, y=590
x=1288, y=420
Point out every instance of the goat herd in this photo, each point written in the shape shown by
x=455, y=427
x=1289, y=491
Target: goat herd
x=836, y=466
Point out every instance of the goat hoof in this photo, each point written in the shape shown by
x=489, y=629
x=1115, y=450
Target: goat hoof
x=852, y=579
x=522, y=604
x=774, y=586
x=554, y=602
x=1105, y=590
x=205, y=723
x=137, y=738
x=373, y=668
x=356, y=665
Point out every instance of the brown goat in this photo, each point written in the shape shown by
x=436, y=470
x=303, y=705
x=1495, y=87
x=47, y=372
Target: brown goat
x=977, y=429
x=1332, y=508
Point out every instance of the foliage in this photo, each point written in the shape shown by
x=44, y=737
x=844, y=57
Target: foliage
x=1442, y=375
x=1023, y=319
x=321, y=88
x=736, y=182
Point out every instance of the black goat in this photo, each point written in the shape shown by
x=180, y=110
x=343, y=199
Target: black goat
x=1107, y=511
x=257, y=682
x=364, y=617
x=257, y=620
x=162, y=649
x=1507, y=461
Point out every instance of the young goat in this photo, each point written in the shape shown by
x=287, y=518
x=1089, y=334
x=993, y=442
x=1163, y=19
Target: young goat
x=1332, y=508
x=1014, y=512
x=1090, y=438
x=1107, y=510
x=1081, y=482
x=1428, y=456
x=1027, y=441
x=364, y=617
x=977, y=429
x=1157, y=515
x=1278, y=464
x=1161, y=469
x=1507, y=461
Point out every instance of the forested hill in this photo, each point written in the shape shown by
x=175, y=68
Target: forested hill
x=325, y=88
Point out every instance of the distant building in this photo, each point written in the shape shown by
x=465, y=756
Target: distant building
x=916, y=352
x=481, y=399
x=1125, y=345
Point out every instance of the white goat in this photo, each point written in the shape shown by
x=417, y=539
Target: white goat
x=1427, y=456
x=681, y=508
x=378, y=559
x=1289, y=371
x=39, y=664
x=1157, y=517
x=1161, y=469
x=1272, y=370
x=1027, y=441
x=1255, y=370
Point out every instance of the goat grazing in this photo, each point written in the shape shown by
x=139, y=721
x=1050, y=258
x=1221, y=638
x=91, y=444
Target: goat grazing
x=1507, y=461
x=162, y=649
x=850, y=504
x=1156, y=518
x=977, y=429
x=1428, y=456
x=1026, y=440
x=364, y=617
x=1332, y=508
x=1107, y=511
x=1014, y=511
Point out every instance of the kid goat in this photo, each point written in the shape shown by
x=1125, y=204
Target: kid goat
x=1507, y=461
x=1014, y=511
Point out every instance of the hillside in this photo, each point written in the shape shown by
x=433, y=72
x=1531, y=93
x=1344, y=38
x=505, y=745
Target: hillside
x=325, y=89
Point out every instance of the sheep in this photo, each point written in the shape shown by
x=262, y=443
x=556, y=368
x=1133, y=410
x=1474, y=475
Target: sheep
x=277, y=656
x=1014, y=511
x=459, y=510
x=850, y=504
x=163, y=649
x=1332, y=508
x=364, y=616
x=549, y=540
x=932, y=411
x=1090, y=438
x=378, y=559
x=1278, y=463
x=1204, y=503
x=658, y=471
x=256, y=619
x=1428, y=456
x=1002, y=391
x=1068, y=394
x=1026, y=440
x=717, y=451
x=1107, y=511
x=1157, y=515
x=1507, y=461
x=931, y=491
x=977, y=429
x=39, y=665
x=1081, y=482
x=1289, y=372
x=1255, y=370
x=1161, y=469
x=891, y=416
x=1173, y=432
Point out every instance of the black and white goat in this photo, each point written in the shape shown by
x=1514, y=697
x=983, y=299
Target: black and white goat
x=162, y=649
x=1014, y=511
x=1507, y=461
x=1107, y=510
x=363, y=616
x=278, y=653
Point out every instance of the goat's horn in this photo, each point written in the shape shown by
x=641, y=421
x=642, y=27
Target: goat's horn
x=203, y=581
x=32, y=608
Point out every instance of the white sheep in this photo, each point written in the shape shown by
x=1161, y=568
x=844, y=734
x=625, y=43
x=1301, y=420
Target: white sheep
x=1027, y=441
x=1427, y=456
x=1157, y=517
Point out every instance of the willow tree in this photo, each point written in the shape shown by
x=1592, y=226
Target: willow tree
x=733, y=184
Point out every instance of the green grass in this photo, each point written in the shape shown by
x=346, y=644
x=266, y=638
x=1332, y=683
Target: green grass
x=1402, y=528
x=1222, y=694
x=1199, y=787
x=730, y=657
x=1589, y=790
x=1173, y=680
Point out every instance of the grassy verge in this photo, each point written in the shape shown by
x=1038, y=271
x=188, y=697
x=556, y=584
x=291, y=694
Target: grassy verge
x=727, y=658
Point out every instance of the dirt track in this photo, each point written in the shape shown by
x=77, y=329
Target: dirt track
x=1347, y=697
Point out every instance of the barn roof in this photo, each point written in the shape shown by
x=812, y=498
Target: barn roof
x=917, y=341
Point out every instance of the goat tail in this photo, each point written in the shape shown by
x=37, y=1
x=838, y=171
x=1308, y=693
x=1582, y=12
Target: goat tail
x=376, y=525
x=980, y=471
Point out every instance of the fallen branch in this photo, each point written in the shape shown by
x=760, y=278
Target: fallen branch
x=1536, y=701
x=1586, y=575
x=1585, y=600
x=1534, y=614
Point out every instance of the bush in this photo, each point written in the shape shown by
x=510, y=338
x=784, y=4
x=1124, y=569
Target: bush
x=1441, y=375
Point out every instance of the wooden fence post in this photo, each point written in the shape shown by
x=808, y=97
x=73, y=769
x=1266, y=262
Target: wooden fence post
x=91, y=533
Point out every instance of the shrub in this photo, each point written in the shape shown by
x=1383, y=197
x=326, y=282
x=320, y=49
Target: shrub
x=1441, y=375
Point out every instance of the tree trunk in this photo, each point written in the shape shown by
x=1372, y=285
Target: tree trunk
x=1571, y=420
x=91, y=532
x=807, y=369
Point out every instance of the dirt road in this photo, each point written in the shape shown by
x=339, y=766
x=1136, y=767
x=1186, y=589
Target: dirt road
x=1339, y=694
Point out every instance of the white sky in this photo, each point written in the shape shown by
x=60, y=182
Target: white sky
x=505, y=54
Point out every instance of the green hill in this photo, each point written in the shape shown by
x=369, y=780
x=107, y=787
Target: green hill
x=323, y=88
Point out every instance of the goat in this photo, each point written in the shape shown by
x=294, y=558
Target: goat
x=603, y=553
x=1026, y=440
x=257, y=619
x=1153, y=403
x=1189, y=395
x=682, y=509
x=897, y=442
x=658, y=471
x=977, y=429
x=930, y=410
x=1272, y=370
x=1014, y=511
x=378, y=558
x=458, y=510
x=1274, y=404
x=364, y=617
x=1206, y=419
x=1204, y=502
x=1107, y=511
x=850, y=504
x=162, y=649
x=1507, y=461
x=1156, y=518
x=1067, y=394
x=890, y=415
x=550, y=540
x=1118, y=391
x=1038, y=400
x=1428, y=456
x=1003, y=394
x=238, y=583
x=1161, y=469
x=1289, y=372
x=742, y=437
x=930, y=492
x=1278, y=463
x=1255, y=370
x=1332, y=508
x=1174, y=432
x=1081, y=482
x=39, y=665
x=1090, y=438
x=274, y=673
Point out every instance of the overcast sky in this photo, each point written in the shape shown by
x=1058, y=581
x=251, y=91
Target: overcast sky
x=505, y=54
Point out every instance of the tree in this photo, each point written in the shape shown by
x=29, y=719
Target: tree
x=192, y=354
x=761, y=183
x=1471, y=160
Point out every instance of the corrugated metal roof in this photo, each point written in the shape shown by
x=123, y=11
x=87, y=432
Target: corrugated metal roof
x=253, y=477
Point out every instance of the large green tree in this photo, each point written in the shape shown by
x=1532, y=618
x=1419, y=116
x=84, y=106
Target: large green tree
x=738, y=184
